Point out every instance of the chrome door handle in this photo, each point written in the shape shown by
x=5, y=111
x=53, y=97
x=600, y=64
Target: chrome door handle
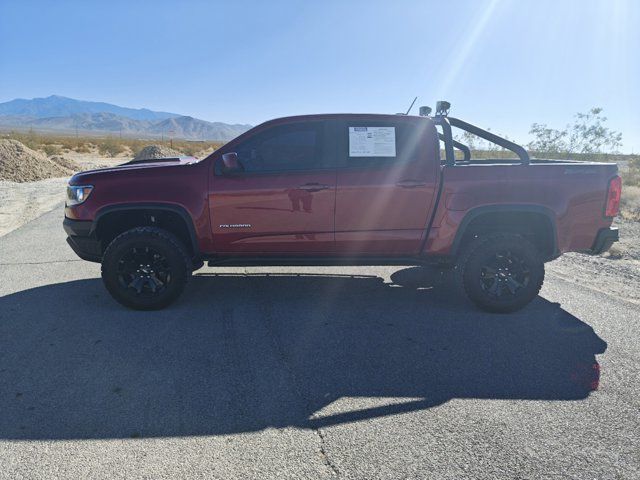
x=313, y=187
x=411, y=183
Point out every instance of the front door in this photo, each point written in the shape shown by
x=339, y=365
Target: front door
x=284, y=200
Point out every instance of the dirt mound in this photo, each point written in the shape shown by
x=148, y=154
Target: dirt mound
x=19, y=163
x=66, y=163
x=156, y=151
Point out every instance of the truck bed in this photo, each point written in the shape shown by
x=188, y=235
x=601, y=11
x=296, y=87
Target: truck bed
x=571, y=193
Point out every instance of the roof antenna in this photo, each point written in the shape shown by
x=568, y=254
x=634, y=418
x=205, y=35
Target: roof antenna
x=411, y=106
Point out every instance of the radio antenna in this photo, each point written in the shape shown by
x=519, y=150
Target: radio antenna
x=411, y=106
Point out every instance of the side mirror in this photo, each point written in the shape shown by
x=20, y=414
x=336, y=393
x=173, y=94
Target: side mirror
x=230, y=163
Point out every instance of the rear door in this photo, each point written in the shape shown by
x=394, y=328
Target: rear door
x=284, y=200
x=388, y=170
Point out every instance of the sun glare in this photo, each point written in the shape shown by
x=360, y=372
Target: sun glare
x=464, y=50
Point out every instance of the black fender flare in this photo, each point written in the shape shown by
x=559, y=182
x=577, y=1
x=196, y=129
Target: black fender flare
x=510, y=208
x=150, y=207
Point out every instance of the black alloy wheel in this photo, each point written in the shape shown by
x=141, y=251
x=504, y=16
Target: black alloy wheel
x=146, y=268
x=504, y=274
x=501, y=272
x=145, y=271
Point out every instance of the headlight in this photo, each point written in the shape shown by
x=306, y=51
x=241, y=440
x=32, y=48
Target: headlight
x=76, y=194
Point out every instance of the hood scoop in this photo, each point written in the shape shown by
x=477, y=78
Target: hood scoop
x=152, y=160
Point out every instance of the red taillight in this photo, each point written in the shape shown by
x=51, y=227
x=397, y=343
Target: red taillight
x=613, y=197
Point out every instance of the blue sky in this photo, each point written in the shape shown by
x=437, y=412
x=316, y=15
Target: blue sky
x=503, y=64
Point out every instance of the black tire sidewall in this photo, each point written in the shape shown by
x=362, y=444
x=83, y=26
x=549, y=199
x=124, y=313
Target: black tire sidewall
x=165, y=244
x=480, y=253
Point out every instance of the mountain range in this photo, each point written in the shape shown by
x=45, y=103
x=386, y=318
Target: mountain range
x=68, y=115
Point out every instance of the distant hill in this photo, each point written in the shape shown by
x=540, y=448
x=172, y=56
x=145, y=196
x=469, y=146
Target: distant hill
x=57, y=106
x=189, y=127
x=67, y=115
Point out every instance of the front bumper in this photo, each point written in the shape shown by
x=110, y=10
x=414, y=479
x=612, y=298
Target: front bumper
x=82, y=240
x=605, y=238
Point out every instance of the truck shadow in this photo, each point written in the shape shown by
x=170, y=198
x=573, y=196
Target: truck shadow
x=245, y=352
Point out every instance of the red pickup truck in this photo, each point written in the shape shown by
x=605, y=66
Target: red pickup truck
x=342, y=189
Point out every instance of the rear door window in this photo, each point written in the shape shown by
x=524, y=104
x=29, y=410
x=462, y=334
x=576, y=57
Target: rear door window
x=366, y=143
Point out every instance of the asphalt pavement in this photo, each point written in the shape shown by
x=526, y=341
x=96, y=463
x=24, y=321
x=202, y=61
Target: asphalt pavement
x=288, y=372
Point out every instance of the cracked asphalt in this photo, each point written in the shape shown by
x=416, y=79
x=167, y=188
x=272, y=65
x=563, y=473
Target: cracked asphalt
x=358, y=372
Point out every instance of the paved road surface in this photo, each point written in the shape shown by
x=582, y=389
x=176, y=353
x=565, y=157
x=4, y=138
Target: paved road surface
x=307, y=373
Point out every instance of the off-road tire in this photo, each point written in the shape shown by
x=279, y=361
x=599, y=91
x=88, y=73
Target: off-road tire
x=471, y=271
x=175, y=257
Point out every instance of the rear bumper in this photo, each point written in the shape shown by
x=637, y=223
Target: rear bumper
x=605, y=238
x=82, y=240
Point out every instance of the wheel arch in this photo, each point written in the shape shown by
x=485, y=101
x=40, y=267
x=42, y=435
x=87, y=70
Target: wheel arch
x=112, y=220
x=535, y=221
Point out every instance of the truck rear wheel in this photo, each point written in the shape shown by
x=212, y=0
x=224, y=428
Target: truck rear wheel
x=146, y=268
x=501, y=272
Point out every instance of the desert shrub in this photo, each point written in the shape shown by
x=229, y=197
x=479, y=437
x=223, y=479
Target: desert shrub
x=110, y=147
x=632, y=176
x=587, y=135
x=30, y=139
x=191, y=150
x=196, y=149
x=52, y=149
x=72, y=143
x=630, y=202
x=83, y=148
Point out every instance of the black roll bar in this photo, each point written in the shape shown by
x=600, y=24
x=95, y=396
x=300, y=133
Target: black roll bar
x=460, y=146
x=503, y=142
x=446, y=136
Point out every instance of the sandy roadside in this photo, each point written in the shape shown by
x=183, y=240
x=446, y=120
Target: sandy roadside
x=22, y=202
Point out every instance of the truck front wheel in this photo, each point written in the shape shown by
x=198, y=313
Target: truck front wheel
x=501, y=272
x=146, y=268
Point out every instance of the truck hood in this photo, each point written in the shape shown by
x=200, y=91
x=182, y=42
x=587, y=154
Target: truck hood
x=133, y=165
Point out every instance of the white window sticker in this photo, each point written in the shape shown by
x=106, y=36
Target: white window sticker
x=372, y=141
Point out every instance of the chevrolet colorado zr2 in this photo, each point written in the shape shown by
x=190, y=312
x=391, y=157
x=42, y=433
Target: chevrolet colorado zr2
x=342, y=189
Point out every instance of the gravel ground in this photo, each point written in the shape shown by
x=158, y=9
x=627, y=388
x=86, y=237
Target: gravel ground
x=367, y=372
x=616, y=272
